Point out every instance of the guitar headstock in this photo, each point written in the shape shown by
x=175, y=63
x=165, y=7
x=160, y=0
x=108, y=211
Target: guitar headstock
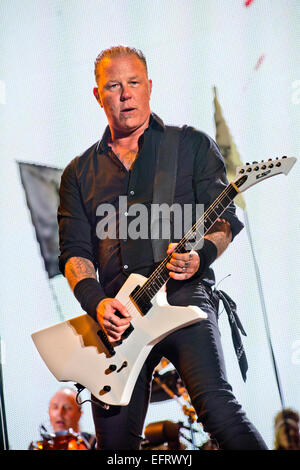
x=250, y=174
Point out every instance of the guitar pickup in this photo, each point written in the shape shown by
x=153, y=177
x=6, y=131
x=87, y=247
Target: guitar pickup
x=141, y=302
x=106, y=342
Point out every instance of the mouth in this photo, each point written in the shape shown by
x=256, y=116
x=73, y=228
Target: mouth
x=127, y=110
x=60, y=423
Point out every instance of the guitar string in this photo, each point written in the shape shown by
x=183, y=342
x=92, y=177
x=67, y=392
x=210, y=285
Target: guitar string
x=192, y=231
x=157, y=272
x=162, y=265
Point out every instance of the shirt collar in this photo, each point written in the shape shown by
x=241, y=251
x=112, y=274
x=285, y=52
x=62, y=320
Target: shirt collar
x=155, y=122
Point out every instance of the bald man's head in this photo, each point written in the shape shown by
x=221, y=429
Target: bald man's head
x=64, y=411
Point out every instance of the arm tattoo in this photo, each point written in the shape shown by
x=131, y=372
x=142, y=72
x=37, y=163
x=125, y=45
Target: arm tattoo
x=220, y=235
x=78, y=268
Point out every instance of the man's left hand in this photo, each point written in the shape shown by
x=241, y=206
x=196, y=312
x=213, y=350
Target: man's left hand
x=182, y=266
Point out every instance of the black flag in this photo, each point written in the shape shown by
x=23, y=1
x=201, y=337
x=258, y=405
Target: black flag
x=41, y=185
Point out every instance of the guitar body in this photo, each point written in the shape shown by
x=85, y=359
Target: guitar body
x=73, y=351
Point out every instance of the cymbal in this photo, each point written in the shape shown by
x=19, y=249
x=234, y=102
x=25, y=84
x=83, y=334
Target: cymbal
x=170, y=379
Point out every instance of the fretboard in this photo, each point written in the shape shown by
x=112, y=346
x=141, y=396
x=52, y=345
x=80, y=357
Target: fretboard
x=161, y=274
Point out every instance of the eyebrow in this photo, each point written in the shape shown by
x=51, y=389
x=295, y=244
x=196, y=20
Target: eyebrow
x=113, y=80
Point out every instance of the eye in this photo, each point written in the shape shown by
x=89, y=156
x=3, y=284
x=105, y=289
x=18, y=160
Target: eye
x=111, y=86
x=67, y=408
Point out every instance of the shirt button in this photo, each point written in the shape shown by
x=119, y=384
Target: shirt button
x=126, y=214
x=125, y=266
x=132, y=193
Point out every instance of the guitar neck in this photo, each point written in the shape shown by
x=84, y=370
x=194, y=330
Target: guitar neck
x=160, y=275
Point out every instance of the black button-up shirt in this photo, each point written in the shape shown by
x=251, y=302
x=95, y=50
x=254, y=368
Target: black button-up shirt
x=98, y=178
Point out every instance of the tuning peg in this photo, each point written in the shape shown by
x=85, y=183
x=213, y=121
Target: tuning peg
x=247, y=163
x=254, y=163
x=284, y=156
x=269, y=159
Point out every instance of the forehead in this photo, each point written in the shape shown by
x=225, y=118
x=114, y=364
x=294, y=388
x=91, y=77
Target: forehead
x=114, y=67
x=63, y=398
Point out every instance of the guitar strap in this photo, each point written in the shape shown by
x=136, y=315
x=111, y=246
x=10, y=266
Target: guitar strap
x=164, y=188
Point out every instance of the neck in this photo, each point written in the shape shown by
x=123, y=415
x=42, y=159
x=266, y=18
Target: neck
x=120, y=138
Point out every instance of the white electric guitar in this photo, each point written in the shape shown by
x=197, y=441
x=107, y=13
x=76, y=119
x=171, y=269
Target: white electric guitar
x=77, y=350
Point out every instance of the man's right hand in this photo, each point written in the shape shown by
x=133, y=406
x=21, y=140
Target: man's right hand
x=113, y=326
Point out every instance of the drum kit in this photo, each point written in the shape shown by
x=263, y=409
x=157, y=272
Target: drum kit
x=62, y=440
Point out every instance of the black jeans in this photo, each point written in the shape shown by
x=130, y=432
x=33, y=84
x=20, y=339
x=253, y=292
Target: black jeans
x=196, y=353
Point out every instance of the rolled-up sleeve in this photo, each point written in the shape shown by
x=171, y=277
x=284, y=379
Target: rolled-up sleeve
x=74, y=227
x=210, y=180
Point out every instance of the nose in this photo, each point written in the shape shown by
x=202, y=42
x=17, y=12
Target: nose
x=60, y=411
x=125, y=93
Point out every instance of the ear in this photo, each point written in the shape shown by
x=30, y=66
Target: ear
x=150, y=86
x=96, y=94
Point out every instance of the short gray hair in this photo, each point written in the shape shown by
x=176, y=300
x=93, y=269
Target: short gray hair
x=117, y=51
